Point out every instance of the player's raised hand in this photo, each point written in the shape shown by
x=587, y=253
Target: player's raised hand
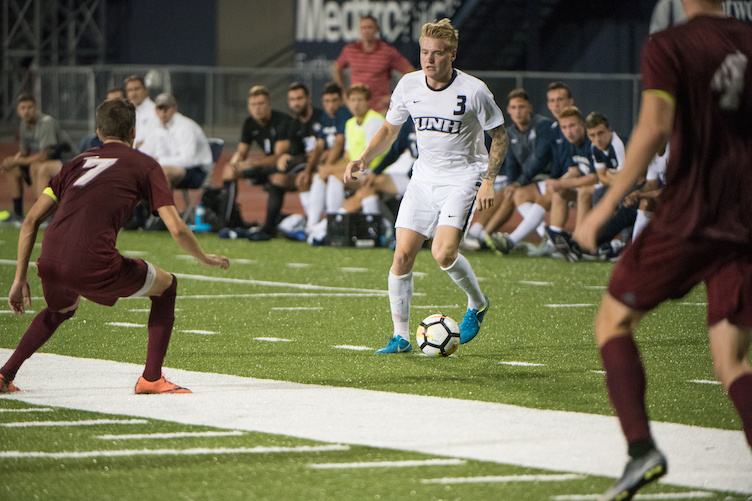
x=356, y=165
x=215, y=260
x=20, y=294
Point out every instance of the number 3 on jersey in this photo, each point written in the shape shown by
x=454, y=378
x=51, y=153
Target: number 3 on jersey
x=96, y=166
x=460, y=105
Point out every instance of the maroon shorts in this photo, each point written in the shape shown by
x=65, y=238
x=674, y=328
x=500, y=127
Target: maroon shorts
x=62, y=283
x=659, y=266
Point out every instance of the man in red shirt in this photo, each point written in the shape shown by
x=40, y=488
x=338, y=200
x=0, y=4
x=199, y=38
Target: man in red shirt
x=698, y=92
x=371, y=62
x=93, y=195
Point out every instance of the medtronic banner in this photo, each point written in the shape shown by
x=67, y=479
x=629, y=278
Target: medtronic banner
x=323, y=27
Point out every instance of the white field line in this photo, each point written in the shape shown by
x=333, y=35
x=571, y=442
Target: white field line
x=171, y=452
x=34, y=409
x=434, y=307
x=273, y=339
x=575, y=305
x=125, y=324
x=668, y=495
x=557, y=441
x=352, y=347
x=298, y=265
x=295, y=308
x=703, y=381
x=530, y=282
x=133, y=253
x=156, y=436
x=268, y=283
x=354, y=270
x=12, y=262
x=8, y=312
x=693, y=304
x=503, y=479
x=386, y=464
x=523, y=364
x=198, y=331
x=88, y=422
x=596, y=287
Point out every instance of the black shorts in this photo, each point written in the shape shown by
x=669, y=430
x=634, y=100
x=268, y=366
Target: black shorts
x=194, y=178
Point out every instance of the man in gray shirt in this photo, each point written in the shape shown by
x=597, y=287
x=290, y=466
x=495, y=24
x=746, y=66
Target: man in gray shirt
x=43, y=147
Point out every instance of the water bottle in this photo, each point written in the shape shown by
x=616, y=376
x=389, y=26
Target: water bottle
x=200, y=212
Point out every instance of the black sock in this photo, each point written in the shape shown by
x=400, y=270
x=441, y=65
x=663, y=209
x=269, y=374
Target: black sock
x=273, y=208
x=18, y=205
x=639, y=448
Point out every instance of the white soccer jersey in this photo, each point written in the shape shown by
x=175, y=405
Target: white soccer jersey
x=449, y=125
x=657, y=167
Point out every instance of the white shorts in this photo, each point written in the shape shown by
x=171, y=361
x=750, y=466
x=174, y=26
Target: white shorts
x=426, y=206
x=501, y=182
x=400, y=181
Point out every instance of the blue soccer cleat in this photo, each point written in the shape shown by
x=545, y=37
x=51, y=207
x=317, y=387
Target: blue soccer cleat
x=470, y=324
x=396, y=345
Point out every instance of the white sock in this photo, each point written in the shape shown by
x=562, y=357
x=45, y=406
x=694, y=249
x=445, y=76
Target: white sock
x=524, y=208
x=305, y=200
x=316, y=200
x=556, y=229
x=642, y=220
x=462, y=273
x=541, y=229
x=400, y=294
x=475, y=231
x=335, y=195
x=528, y=224
x=371, y=205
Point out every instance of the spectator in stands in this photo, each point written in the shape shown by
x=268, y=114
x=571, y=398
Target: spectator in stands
x=371, y=62
x=330, y=146
x=43, y=147
x=272, y=131
x=528, y=133
x=179, y=145
x=146, y=117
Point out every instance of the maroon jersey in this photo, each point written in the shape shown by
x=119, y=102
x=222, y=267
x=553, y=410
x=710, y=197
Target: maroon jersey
x=97, y=192
x=706, y=65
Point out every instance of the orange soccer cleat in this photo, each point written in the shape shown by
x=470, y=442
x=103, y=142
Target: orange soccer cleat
x=161, y=385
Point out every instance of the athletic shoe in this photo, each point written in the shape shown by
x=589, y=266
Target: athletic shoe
x=566, y=246
x=545, y=249
x=296, y=236
x=470, y=324
x=259, y=236
x=396, y=345
x=7, y=386
x=502, y=242
x=638, y=473
x=488, y=241
x=161, y=385
x=468, y=244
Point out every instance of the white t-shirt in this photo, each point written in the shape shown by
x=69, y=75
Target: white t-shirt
x=181, y=143
x=146, y=119
x=449, y=125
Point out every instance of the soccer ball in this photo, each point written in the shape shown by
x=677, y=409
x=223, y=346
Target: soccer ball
x=438, y=336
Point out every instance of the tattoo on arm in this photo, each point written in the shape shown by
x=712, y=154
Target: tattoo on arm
x=499, y=147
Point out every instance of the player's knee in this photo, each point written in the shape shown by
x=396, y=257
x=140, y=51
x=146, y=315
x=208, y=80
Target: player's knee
x=614, y=320
x=444, y=255
x=52, y=319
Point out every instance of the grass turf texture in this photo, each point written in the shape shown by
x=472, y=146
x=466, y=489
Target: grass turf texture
x=519, y=327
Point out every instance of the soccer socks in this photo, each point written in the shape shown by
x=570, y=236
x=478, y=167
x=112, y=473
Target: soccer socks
x=462, y=273
x=625, y=382
x=400, y=293
x=740, y=393
x=273, y=208
x=532, y=218
x=317, y=200
x=305, y=201
x=370, y=205
x=642, y=220
x=335, y=195
x=18, y=206
x=161, y=320
x=41, y=329
x=231, y=188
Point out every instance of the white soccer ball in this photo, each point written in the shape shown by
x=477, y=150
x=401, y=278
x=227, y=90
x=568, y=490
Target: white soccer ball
x=438, y=336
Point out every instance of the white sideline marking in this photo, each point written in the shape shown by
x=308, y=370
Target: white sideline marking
x=268, y=283
x=298, y=265
x=558, y=441
x=187, y=434
x=87, y=422
x=147, y=310
x=503, y=478
x=703, y=381
x=277, y=294
x=170, y=452
x=124, y=324
x=529, y=282
x=198, y=331
x=668, y=495
x=523, y=364
x=352, y=347
x=281, y=308
x=35, y=409
x=387, y=464
x=353, y=270
x=576, y=305
x=273, y=339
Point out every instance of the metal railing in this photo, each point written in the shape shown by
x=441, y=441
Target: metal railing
x=216, y=97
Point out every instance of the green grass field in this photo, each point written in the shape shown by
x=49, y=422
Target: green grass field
x=541, y=313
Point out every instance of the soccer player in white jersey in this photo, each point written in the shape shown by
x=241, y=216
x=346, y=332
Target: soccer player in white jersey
x=450, y=110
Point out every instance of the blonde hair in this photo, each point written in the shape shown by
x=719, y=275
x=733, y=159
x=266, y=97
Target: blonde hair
x=258, y=90
x=442, y=30
x=571, y=111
